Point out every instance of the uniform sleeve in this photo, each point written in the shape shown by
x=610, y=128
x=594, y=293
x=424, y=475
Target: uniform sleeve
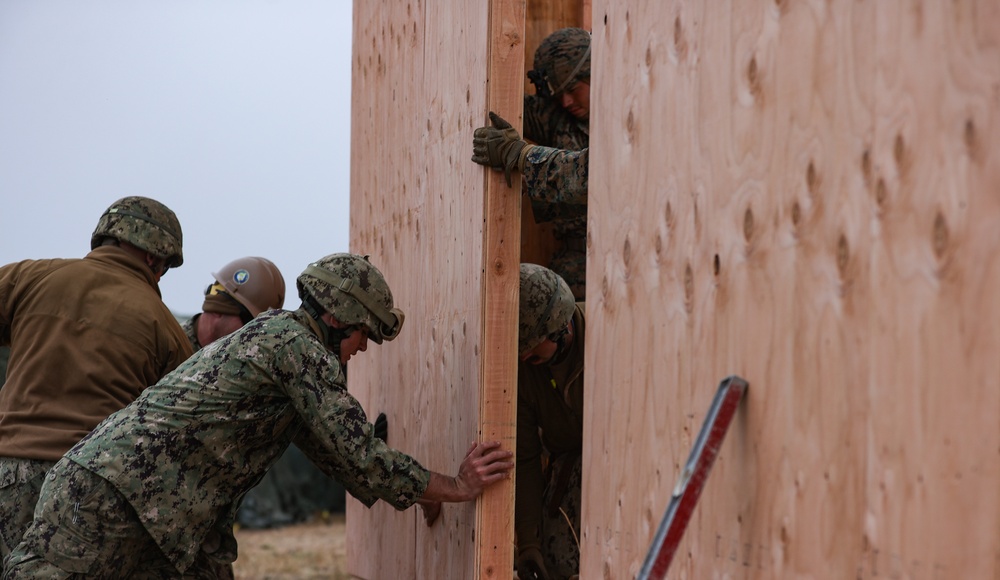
x=557, y=175
x=529, y=482
x=340, y=440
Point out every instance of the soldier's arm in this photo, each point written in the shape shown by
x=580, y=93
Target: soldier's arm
x=556, y=175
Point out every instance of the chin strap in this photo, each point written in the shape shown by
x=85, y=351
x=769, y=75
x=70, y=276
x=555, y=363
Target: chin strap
x=562, y=344
x=331, y=336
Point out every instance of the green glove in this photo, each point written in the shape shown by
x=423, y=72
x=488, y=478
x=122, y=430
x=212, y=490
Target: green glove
x=530, y=565
x=498, y=146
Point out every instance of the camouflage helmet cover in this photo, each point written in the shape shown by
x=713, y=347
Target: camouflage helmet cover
x=562, y=58
x=146, y=224
x=254, y=282
x=352, y=289
x=546, y=306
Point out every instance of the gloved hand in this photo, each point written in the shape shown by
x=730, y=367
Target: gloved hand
x=382, y=427
x=530, y=565
x=498, y=146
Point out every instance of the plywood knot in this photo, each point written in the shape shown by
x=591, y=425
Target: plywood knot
x=881, y=192
x=812, y=179
x=688, y=288
x=753, y=77
x=940, y=235
x=971, y=139
x=866, y=165
x=843, y=255
x=899, y=153
x=680, y=42
x=630, y=126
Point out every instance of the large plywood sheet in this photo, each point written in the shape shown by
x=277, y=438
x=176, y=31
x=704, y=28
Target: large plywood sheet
x=804, y=194
x=445, y=233
x=417, y=208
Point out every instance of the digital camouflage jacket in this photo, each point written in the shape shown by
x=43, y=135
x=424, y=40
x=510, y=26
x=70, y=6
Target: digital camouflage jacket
x=555, y=179
x=186, y=451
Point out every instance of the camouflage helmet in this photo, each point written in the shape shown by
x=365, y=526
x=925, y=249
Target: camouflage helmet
x=146, y=224
x=547, y=306
x=561, y=59
x=254, y=282
x=350, y=288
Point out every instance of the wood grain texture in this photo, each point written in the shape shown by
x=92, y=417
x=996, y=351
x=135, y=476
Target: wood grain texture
x=417, y=206
x=501, y=284
x=812, y=204
x=422, y=80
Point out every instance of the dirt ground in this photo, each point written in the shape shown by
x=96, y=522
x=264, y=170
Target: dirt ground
x=310, y=551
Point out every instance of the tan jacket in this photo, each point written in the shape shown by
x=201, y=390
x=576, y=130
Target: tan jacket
x=86, y=336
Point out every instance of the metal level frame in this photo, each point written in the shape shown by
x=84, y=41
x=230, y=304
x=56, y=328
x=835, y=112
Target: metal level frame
x=693, y=477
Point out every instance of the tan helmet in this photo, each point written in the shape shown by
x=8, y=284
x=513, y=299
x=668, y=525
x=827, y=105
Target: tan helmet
x=350, y=288
x=254, y=282
x=562, y=58
x=146, y=224
x=546, y=306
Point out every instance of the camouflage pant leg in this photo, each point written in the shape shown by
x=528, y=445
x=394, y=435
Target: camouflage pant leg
x=84, y=527
x=20, y=482
x=216, y=566
x=560, y=546
x=35, y=568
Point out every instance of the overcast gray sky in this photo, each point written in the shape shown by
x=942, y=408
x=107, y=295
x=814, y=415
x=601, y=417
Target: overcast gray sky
x=234, y=113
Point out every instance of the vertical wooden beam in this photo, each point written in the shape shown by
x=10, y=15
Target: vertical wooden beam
x=501, y=268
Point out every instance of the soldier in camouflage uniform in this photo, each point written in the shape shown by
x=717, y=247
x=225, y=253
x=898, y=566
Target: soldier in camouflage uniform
x=293, y=488
x=150, y=491
x=242, y=289
x=556, y=118
x=549, y=425
x=86, y=336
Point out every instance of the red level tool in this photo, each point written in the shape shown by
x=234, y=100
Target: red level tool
x=692, y=479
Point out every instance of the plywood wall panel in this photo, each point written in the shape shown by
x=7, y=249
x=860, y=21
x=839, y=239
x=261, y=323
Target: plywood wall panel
x=812, y=205
x=803, y=193
x=417, y=207
x=933, y=454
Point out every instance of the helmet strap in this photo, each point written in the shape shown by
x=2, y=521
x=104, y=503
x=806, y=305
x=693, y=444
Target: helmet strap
x=331, y=336
x=576, y=70
x=562, y=344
